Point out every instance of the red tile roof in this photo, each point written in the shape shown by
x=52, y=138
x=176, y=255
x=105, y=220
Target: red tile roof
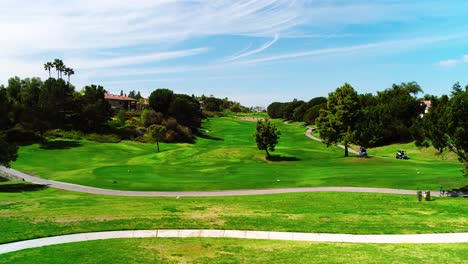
x=118, y=97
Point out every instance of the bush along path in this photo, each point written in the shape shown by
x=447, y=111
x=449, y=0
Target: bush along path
x=86, y=189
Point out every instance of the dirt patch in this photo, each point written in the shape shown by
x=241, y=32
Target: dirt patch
x=251, y=119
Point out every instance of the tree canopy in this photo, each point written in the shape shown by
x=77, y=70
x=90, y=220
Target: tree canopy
x=336, y=123
x=266, y=136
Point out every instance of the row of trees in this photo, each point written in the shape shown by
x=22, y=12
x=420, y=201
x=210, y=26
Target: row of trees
x=445, y=126
x=213, y=104
x=30, y=107
x=370, y=120
x=396, y=115
x=60, y=67
x=298, y=110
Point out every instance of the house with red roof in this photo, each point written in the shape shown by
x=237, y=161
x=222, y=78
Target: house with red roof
x=121, y=101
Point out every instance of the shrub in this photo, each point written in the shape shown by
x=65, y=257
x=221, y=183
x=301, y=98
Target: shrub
x=103, y=138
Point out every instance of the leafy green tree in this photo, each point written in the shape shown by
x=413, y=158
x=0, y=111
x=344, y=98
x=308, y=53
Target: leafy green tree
x=266, y=136
x=14, y=89
x=56, y=106
x=446, y=124
x=276, y=109
x=138, y=96
x=8, y=151
x=95, y=110
x=160, y=100
x=186, y=110
x=289, y=109
x=150, y=117
x=132, y=94
x=157, y=133
x=337, y=123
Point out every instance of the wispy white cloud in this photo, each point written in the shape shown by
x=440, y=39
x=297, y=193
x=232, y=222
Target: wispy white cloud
x=451, y=63
x=131, y=60
x=448, y=63
x=383, y=47
x=255, y=51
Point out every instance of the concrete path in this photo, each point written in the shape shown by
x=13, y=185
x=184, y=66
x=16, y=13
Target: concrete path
x=184, y=233
x=87, y=189
x=308, y=133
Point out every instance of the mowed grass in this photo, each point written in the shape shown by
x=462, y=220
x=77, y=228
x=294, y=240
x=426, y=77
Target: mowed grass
x=38, y=212
x=215, y=250
x=226, y=157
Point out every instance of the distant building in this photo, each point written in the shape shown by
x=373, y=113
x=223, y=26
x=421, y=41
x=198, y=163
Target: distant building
x=121, y=101
x=427, y=105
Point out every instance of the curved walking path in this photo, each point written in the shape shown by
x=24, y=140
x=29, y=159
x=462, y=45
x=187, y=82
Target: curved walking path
x=86, y=189
x=210, y=233
x=308, y=133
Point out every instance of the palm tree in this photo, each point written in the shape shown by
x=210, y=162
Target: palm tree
x=68, y=72
x=49, y=65
x=60, y=67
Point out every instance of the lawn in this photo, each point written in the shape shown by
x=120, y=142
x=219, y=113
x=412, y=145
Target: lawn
x=226, y=157
x=29, y=212
x=214, y=250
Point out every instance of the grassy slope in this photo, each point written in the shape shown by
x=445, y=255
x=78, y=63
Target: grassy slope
x=227, y=158
x=31, y=214
x=197, y=250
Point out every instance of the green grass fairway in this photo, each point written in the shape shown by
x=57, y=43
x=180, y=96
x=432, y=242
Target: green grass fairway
x=47, y=212
x=210, y=250
x=226, y=157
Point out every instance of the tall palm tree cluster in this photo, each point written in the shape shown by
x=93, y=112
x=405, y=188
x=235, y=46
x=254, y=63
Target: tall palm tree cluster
x=60, y=67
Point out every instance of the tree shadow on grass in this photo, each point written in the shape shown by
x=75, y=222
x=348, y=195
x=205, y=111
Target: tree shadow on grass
x=205, y=136
x=282, y=158
x=60, y=144
x=13, y=188
x=463, y=191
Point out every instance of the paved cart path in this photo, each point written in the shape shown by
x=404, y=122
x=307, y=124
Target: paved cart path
x=184, y=233
x=308, y=133
x=93, y=190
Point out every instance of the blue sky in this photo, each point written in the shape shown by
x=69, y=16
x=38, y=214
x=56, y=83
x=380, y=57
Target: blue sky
x=255, y=52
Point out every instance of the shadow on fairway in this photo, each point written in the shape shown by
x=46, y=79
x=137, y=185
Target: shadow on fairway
x=210, y=137
x=13, y=188
x=282, y=158
x=60, y=144
x=463, y=191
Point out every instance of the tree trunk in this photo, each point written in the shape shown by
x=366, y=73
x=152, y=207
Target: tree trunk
x=346, y=149
x=268, y=153
x=157, y=144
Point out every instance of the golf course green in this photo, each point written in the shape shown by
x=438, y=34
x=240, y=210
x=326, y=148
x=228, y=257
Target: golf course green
x=226, y=157
x=28, y=212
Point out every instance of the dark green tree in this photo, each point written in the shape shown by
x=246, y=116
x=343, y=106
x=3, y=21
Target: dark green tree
x=95, y=110
x=132, y=94
x=160, y=100
x=266, y=136
x=8, y=149
x=337, y=123
x=186, y=110
x=138, y=96
x=446, y=124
